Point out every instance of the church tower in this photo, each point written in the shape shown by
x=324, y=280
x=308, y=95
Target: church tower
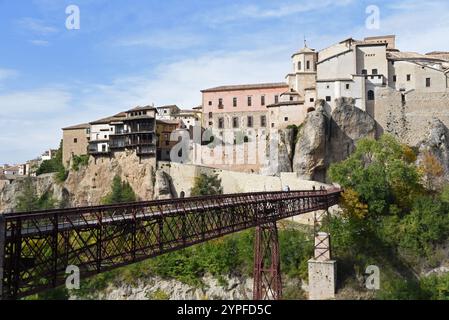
x=303, y=78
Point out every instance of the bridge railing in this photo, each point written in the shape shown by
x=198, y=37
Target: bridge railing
x=39, y=246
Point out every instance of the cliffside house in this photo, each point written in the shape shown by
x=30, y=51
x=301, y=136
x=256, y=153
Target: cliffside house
x=164, y=130
x=75, y=141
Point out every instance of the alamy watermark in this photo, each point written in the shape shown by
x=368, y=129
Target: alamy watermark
x=372, y=22
x=73, y=21
x=73, y=279
x=372, y=278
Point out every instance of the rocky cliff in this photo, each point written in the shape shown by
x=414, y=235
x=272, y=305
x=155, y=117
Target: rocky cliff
x=328, y=138
x=90, y=184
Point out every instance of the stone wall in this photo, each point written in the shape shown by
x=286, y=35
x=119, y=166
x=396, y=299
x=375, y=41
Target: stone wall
x=408, y=116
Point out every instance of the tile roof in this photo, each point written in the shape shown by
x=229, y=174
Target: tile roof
x=116, y=117
x=77, y=127
x=247, y=87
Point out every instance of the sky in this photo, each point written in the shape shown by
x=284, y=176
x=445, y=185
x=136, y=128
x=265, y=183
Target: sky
x=140, y=52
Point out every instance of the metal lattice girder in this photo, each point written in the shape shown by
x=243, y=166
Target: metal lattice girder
x=39, y=246
x=267, y=264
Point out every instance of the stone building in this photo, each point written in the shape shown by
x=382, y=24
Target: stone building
x=357, y=68
x=240, y=107
x=75, y=141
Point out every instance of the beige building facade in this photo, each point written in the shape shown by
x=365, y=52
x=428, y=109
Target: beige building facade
x=75, y=141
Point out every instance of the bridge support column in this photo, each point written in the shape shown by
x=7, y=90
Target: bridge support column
x=267, y=264
x=2, y=252
x=322, y=269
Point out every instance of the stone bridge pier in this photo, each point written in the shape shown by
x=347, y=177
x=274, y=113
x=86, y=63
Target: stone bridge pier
x=322, y=269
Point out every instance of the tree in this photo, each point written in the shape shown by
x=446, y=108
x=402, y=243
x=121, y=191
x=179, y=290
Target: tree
x=54, y=165
x=121, y=192
x=381, y=173
x=431, y=169
x=27, y=200
x=207, y=185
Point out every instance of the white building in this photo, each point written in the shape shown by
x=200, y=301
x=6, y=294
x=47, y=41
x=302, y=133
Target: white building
x=354, y=68
x=100, y=131
x=167, y=112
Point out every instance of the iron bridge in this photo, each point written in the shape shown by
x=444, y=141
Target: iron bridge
x=36, y=248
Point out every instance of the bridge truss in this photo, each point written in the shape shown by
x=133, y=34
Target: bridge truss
x=36, y=248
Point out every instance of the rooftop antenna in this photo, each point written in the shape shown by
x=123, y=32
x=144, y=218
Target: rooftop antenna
x=305, y=42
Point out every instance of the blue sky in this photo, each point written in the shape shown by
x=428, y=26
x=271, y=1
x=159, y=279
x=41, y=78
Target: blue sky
x=139, y=52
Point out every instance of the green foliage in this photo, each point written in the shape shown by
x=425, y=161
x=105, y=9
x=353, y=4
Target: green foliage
x=54, y=165
x=404, y=224
x=79, y=161
x=380, y=172
x=28, y=200
x=207, y=185
x=121, y=192
x=436, y=287
x=231, y=255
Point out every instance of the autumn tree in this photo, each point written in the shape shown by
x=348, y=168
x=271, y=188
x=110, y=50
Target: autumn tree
x=432, y=170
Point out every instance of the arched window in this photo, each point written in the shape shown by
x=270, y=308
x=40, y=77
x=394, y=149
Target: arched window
x=182, y=194
x=370, y=95
x=299, y=65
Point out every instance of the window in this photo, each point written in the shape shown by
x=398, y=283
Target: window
x=299, y=66
x=75, y=140
x=312, y=100
x=291, y=98
x=234, y=102
x=211, y=123
x=220, y=123
x=235, y=122
x=276, y=99
x=328, y=98
x=262, y=100
x=250, y=122
x=210, y=103
x=210, y=115
x=347, y=86
x=364, y=72
x=308, y=65
x=370, y=95
x=409, y=77
x=263, y=121
x=272, y=125
x=286, y=119
x=428, y=82
x=395, y=78
x=250, y=101
x=374, y=71
x=220, y=103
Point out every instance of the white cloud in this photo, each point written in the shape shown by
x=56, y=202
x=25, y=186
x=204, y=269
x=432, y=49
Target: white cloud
x=283, y=9
x=36, y=26
x=32, y=103
x=419, y=26
x=173, y=40
x=7, y=74
x=39, y=43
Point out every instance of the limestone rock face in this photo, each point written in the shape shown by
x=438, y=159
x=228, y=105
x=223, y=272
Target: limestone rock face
x=328, y=138
x=437, y=143
x=279, y=153
x=310, y=151
x=162, y=188
x=151, y=288
x=90, y=184
x=9, y=192
x=348, y=125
